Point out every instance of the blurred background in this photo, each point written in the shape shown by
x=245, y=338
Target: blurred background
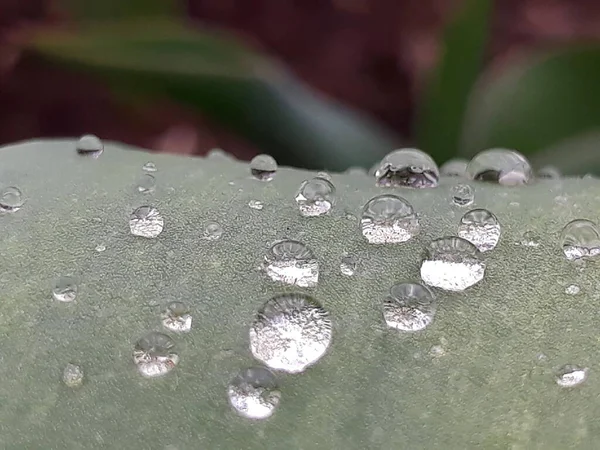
x=322, y=84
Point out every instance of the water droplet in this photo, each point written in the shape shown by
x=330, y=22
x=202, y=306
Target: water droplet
x=409, y=307
x=499, y=165
x=454, y=168
x=530, y=239
x=90, y=145
x=580, y=239
x=11, y=199
x=292, y=262
x=452, y=263
x=153, y=355
x=256, y=204
x=408, y=167
x=388, y=219
x=571, y=376
x=549, y=173
x=253, y=393
x=65, y=289
x=572, y=289
x=146, y=221
x=73, y=375
x=315, y=197
x=480, y=227
x=100, y=247
x=324, y=175
x=290, y=333
x=263, y=167
x=437, y=351
x=463, y=195
x=213, y=231
x=348, y=265
x=177, y=317
x=146, y=184
x=149, y=167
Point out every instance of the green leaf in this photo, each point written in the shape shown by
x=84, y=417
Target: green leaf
x=120, y=9
x=441, y=113
x=233, y=85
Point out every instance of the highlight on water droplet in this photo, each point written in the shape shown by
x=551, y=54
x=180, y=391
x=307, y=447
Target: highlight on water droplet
x=291, y=262
x=291, y=332
x=480, y=227
x=409, y=307
x=153, y=355
x=213, y=231
x=463, y=195
x=571, y=375
x=454, y=168
x=11, y=199
x=177, y=317
x=100, y=248
x=253, y=393
x=146, y=221
x=388, y=219
x=580, y=239
x=348, y=264
x=256, y=204
x=149, y=167
x=500, y=165
x=263, y=167
x=408, y=167
x=72, y=375
x=90, y=145
x=65, y=289
x=452, y=263
x=315, y=197
x=549, y=173
x=146, y=184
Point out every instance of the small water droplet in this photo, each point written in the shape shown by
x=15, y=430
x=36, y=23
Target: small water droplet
x=11, y=199
x=500, y=165
x=213, y=231
x=90, y=145
x=549, y=173
x=388, y=219
x=149, y=167
x=437, y=351
x=480, y=227
x=290, y=333
x=146, y=221
x=100, y=247
x=254, y=393
x=146, y=184
x=580, y=239
x=153, y=355
x=571, y=375
x=256, y=204
x=454, y=168
x=65, y=289
x=315, y=197
x=409, y=307
x=351, y=217
x=348, y=265
x=463, y=195
x=263, y=167
x=572, y=289
x=452, y=263
x=73, y=375
x=530, y=239
x=407, y=167
x=218, y=153
x=291, y=262
x=177, y=317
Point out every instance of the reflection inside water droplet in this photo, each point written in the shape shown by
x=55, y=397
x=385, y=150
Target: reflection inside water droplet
x=409, y=307
x=315, y=197
x=462, y=195
x=72, y=375
x=481, y=228
x=253, y=393
x=11, y=199
x=580, y=239
x=571, y=375
x=291, y=262
x=65, y=289
x=408, y=167
x=153, y=355
x=388, y=219
x=499, y=165
x=90, y=145
x=146, y=221
x=263, y=167
x=177, y=317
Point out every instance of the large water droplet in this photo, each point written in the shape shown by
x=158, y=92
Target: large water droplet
x=153, y=355
x=292, y=262
x=263, y=167
x=580, y=239
x=571, y=375
x=149, y=167
x=408, y=167
x=146, y=184
x=177, y=317
x=290, y=333
x=480, y=227
x=213, y=231
x=65, y=289
x=452, y=263
x=463, y=195
x=499, y=165
x=454, y=168
x=90, y=145
x=73, y=375
x=146, y=221
x=549, y=173
x=315, y=197
x=256, y=204
x=409, y=307
x=388, y=219
x=348, y=265
x=11, y=199
x=253, y=393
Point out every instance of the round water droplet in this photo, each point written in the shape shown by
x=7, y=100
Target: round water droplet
x=146, y=184
x=253, y=393
x=213, y=231
x=388, y=219
x=290, y=333
x=153, y=355
x=315, y=197
x=452, y=263
x=409, y=307
x=499, y=165
x=146, y=221
x=292, y=262
x=256, y=204
x=149, y=167
x=100, y=247
x=571, y=376
x=549, y=173
x=463, y=195
x=580, y=239
x=11, y=199
x=407, y=167
x=177, y=317
x=572, y=289
x=263, y=167
x=454, y=168
x=480, y=227
x=90, y=145
x=73, y=375
x=530, y=239
x=65, y=289
x=348, y=265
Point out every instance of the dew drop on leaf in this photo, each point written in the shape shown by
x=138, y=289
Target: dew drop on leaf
x=65, y=289
x=146, y=221
x=480, y=227
x=72, y=375
x=146, y=184
x=254, y=393
x=388, y=219
x=256, y=204
x=11, y=199
x=149, y=167
x=499, y=165
x=263, y=167
x=454, y=168
x=580, y=239
x=348, y=265
x=572, y=289
x=90, y=145
x=213, y=231
x=408, y=167
x=409, y=307
x=571, y=375
x=463, y=195
x=291, y=262
x=153, y=355
x=177, y=318
x=315, y=197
